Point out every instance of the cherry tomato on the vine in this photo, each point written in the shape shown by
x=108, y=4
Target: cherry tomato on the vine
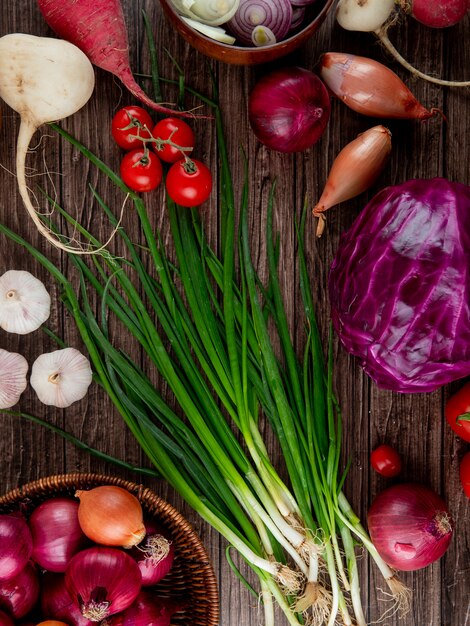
x=176, y=131
x=465, y=473
x=129, y=122
x=386, y=461
x=189, y=182
x=458, y=412
x=141, y=170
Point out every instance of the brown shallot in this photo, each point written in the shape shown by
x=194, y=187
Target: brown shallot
x=354, y=170
x=370, y=88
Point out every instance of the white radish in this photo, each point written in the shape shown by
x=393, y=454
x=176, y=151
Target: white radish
x=376, y=16
x=44, y=80
x=364, y=15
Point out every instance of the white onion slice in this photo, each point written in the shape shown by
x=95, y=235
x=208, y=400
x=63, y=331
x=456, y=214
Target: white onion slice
x=262, y=36
x=210, y=12
x=214, y=32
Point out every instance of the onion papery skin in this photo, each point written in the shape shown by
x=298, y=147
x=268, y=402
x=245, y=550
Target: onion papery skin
x=56, y=532
x=5, y=620
x=57, y=603
x=148, y=609
x=273, y=14
x=19, y=595
x=399, y=288
x=410, y=526
x=111, y=516
x=16, y=545
x=152, y=568
x=289, y=109
x=369, y=87
x=103, y=581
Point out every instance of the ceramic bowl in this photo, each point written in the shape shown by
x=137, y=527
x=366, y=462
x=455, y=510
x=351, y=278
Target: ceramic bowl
x=239, y=55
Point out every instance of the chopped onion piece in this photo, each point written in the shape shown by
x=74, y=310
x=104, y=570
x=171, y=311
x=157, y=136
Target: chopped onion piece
x=273, y=14
x=262, y=36
x=209, y=12
x=214, y=32
x=298, y=14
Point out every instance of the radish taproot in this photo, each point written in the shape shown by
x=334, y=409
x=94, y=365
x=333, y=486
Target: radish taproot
x=377, y=16
x=44, y=80
x=98, y=28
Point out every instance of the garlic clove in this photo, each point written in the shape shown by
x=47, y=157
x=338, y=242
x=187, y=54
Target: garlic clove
x=61, y=378
x=24, y=302
x=13, y=368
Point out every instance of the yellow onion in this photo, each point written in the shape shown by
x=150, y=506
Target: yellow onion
x=354, y=170
x=111, y=516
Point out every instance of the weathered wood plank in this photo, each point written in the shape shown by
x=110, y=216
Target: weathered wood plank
x=414, y=424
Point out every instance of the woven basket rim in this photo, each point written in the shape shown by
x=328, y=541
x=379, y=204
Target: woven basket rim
x=148, y=498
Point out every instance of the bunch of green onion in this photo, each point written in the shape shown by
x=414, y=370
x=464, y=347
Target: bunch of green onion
x=299, y=538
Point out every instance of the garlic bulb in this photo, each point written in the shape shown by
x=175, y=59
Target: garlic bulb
x=13, y=368
x=24, y=302
x=61, y=378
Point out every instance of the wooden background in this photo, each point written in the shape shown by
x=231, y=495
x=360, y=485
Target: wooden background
x=412, y=423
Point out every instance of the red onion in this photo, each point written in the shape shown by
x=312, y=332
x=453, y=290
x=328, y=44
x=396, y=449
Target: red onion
x=298, y=14
x=16, y=545
x=147, y=609
x=273, y=14
x=103, y=581
x=154, y=555
x=57, y=535
x=57, y=603
x=18, y=595
x=289, y=109
x=5, y=620
x=410, y=526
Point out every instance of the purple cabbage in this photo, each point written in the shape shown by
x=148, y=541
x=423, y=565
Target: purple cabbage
x=400, y=286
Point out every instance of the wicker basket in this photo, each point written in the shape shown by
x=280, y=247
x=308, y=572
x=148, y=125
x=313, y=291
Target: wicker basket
x=191, y=578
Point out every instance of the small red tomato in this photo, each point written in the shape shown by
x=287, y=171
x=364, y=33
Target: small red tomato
x=141, y=170
x=465, y=473
x=129, y=123
x=458, y=412
x=386, y=461
x=189, y=182
x=179, y=133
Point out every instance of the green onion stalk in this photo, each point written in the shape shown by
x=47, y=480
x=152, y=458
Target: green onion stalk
x=204, y=327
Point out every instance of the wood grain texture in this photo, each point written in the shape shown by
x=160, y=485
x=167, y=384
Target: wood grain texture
x=412, y=423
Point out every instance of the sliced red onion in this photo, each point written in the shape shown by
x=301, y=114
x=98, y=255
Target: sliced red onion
x=262, y=36
x=273, y=14
x=298, y=14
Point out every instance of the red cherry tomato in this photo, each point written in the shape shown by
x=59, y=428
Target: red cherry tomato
x=179, y=132
x=465, y=473
x=189, y=182
x=141, y=170
x=458, y=412
x=386, y=461
x=128, y=123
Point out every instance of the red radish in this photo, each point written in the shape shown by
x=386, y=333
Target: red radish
x=436, y=13
x=98, y=28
